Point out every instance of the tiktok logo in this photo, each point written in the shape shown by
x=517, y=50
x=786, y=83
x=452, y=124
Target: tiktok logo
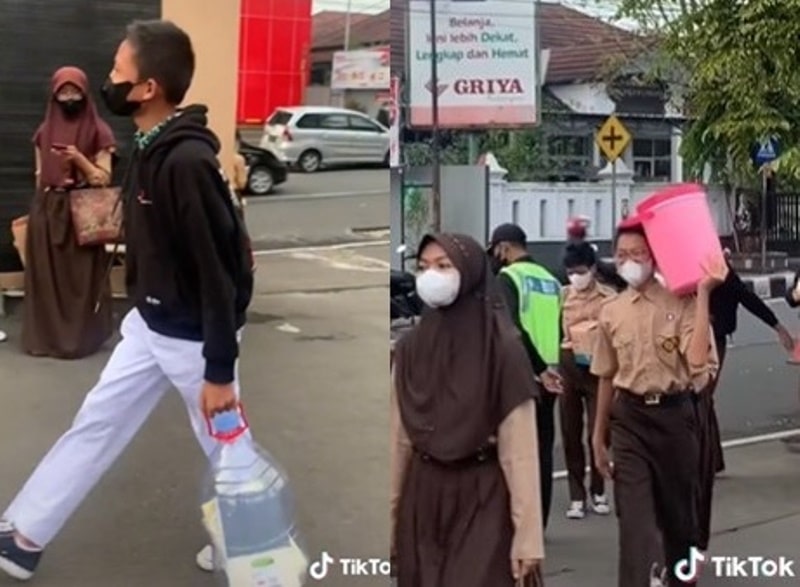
x=688, y=569
x=319, y=570
x=371, y=567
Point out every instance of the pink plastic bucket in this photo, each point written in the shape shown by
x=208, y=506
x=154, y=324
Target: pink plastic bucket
x=681, y=233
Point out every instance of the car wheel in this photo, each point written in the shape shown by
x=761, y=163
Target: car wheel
x=260, y=181
x=310, y=161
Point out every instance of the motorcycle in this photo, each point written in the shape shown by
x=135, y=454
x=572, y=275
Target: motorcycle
x=405, y=306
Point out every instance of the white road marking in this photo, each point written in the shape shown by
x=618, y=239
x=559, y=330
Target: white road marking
x=336, y=247
x=289, y=328
x=732, y=443
x=346, y=262
x=255, y=201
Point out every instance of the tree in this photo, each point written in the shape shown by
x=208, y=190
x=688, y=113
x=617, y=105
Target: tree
x=740, y=63
x=523, y=153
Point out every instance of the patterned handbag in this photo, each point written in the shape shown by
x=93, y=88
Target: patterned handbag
x=96, y=215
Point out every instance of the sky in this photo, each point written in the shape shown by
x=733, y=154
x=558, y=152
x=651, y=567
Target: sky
x=368, y=6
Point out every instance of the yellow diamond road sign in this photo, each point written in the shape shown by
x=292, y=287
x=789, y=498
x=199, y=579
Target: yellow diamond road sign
x=613, y=138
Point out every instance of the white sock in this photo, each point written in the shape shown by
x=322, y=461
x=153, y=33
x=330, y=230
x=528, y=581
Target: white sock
x=24, y=547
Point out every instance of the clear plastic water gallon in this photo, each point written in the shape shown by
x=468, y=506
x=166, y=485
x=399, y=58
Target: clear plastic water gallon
x=248, y=511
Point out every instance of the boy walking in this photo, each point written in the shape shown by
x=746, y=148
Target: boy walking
x=189, y=274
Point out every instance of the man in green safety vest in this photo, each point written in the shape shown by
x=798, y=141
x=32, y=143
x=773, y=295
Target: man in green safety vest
x=533, y=296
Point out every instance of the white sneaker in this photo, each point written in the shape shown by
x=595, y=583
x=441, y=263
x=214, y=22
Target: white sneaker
x=3, y=336
x=205, y=559
x=600, y=505
x=576, y=511
x=658, y=579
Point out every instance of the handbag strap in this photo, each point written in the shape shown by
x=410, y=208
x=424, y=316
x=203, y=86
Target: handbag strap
x=110, y=265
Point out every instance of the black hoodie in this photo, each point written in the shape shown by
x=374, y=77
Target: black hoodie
x=189, y=265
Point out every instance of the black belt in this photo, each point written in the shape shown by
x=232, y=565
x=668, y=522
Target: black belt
x=656, y=398
x=487, y=454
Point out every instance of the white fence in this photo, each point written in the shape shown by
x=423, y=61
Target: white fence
x=542, y=209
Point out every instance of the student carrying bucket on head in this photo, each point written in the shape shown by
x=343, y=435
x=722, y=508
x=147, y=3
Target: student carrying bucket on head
x=654, y=352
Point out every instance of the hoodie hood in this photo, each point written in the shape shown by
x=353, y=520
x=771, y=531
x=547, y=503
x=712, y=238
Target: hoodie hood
x=190, y=123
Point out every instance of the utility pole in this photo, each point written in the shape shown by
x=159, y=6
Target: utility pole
x=343, y=97
x=436, y=216
x=347, y=25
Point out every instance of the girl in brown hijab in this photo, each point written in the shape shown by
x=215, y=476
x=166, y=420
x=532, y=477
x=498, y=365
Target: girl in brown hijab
x=465, y=477
x=63, y=281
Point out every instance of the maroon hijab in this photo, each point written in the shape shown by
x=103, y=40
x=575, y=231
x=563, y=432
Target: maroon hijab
x=463, y=369
x=87, y=131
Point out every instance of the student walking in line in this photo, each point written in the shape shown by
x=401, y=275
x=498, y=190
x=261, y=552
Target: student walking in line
x=189, y=274
x=533, y=297
x=605, y=273
x=465, y=509
x=654, y=353
x=582, y=300
x=724, y=305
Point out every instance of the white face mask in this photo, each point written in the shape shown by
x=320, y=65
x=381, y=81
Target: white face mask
x=580, y=281
x=438, y=288
x=636, y=274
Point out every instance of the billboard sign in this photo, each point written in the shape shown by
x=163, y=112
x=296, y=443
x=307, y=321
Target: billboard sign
x=362, y=69
x=486, y=60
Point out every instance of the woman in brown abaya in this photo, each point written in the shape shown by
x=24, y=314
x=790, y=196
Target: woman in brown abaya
x=465, y=499
x=64, y=281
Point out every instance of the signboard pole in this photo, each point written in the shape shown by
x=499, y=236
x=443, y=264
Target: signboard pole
x=437, y=176
x=764, y=185
x=472, y=148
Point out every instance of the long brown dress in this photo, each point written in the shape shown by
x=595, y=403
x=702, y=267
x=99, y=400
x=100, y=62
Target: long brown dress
x=463, y=383
x=63, y=281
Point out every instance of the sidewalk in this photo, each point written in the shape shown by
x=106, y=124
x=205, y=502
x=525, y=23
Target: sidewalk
x=756, y=513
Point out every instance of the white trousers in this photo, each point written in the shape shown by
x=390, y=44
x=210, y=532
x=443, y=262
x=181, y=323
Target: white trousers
x=143, y=366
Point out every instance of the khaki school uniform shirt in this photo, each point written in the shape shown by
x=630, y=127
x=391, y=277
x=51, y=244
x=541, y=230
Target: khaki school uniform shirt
x=239, y=172
x=642, y=341
x=582, y=306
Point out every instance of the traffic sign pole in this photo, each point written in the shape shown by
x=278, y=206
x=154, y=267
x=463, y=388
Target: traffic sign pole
x=614, y=196
x=612, y=139
x=764, y=154
x=764, y=186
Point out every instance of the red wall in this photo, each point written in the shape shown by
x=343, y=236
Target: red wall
x=274, y=48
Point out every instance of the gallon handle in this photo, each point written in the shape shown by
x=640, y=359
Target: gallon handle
x=228, y=426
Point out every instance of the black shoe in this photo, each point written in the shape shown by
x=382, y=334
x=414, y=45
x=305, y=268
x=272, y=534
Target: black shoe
x=15, y=561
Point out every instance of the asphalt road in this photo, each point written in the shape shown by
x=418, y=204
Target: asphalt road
x=320, y=209
x=331, y=183
x=314, y=375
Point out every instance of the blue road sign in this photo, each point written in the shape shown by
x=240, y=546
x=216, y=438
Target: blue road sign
x=766, y=151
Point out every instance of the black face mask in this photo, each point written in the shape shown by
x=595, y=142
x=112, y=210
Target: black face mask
x=71, y=108
x=115, y=97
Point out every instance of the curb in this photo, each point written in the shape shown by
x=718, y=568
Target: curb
x=769, y=286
